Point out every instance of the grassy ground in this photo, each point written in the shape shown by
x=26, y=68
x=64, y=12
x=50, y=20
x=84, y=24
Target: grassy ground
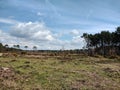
x=82, y=73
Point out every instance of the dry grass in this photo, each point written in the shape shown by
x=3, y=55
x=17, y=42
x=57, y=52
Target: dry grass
x=74, y=73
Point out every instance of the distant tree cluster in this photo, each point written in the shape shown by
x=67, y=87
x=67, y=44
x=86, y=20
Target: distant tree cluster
x=103, y=43
x=4, y=48
x=1, y=47
x=16, y=46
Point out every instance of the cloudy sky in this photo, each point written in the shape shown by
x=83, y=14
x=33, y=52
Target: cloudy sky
x=52, y=24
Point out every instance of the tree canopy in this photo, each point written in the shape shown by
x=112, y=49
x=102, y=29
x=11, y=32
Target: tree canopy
x=103, y=39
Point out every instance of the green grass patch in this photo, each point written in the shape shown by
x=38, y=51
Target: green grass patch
x=80, y=73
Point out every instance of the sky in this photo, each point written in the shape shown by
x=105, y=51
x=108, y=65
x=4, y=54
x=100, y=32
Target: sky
x=54, y=24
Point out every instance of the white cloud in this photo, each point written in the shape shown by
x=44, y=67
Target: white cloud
x=8, y=21
x=5, y=38
x=56, y=44
x=37, y=34
x=75, y=43
x=77, y=40
x=75, y=32
x=40, y=14
x=32, y=31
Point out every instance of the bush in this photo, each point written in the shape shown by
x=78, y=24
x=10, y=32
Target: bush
x=23, y=52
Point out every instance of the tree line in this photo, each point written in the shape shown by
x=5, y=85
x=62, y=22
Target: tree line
x=16, y=47
x=104, y=43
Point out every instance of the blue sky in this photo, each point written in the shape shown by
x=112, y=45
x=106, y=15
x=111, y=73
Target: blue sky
x=51, y=24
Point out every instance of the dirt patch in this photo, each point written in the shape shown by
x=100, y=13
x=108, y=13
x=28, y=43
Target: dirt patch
x=94, y=81
x=10, y=55
x=7, y=78
x=6, y=73
x=1, y=54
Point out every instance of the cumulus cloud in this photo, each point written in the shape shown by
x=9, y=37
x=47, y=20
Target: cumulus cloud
x=6, y=38
x=35, y=34
x=75, y=32
x=77, y=40
x=32, y=31
x=38, y=34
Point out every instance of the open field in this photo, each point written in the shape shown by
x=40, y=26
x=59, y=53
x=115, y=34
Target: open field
x=81, y=73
